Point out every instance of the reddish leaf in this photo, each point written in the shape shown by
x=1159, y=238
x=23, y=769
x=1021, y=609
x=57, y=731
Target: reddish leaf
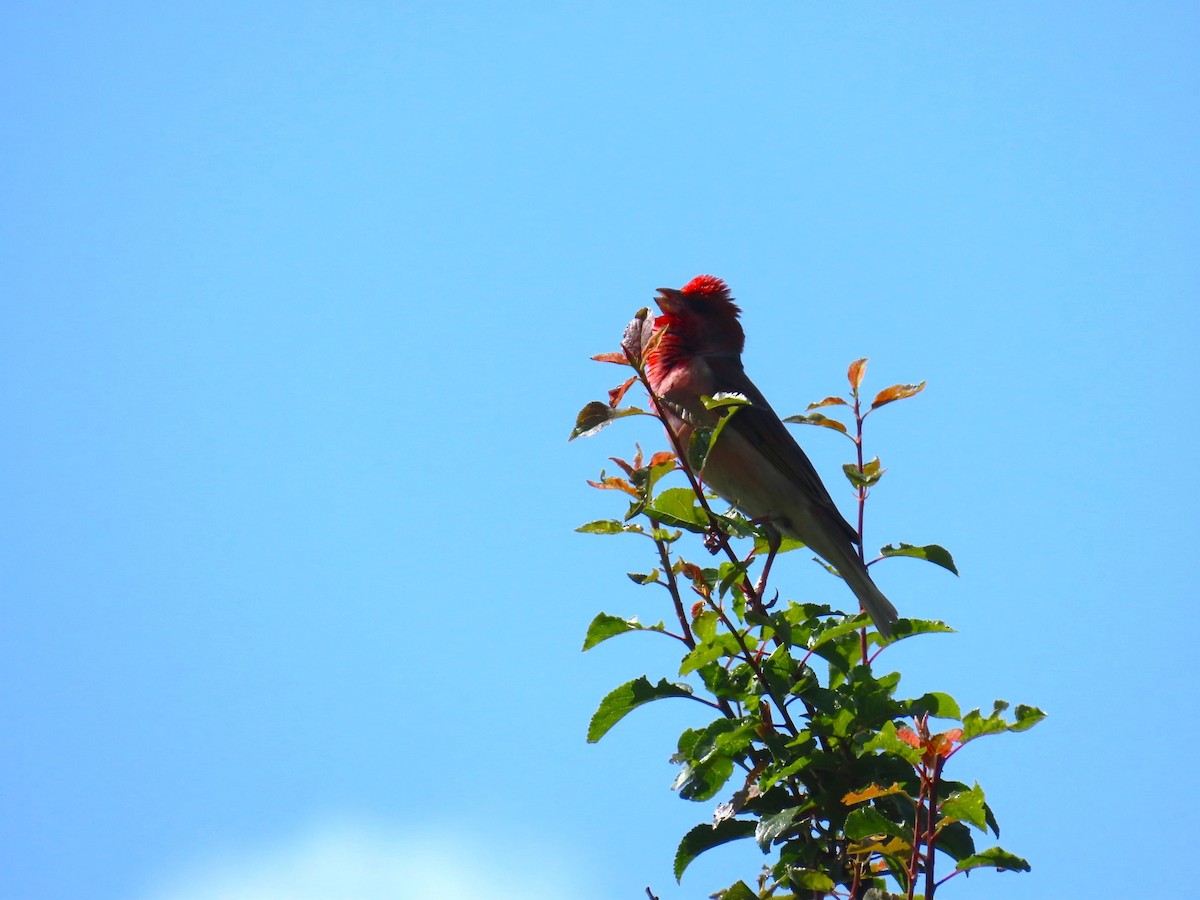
x=896, y=392
x=613, y=356
x=661, y=457
x=615, y=484
x=615, y=395
x=871, y=793
x=855, y=373
x=625, y=467
x=828, y=401
x=909, y=737
x=818, y=419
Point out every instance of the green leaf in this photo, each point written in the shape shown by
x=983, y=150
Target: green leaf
x=762, y=548
x=596, y=415
x=644, y=578
x=721, y=646
x=677, y=507
x=705, y=837
x=810, y=880
x=605, y=626
x=966, y=806
x=936, y=704
x=739, y=891
x=906, y=628
x=975, y=724
x=931, y=552
x=608, y=526
x=623, y=700
x=888, y=741
x=866, y=821
x=773, y=826
x=994, y=858
x=868, y=477
x=1026, y=717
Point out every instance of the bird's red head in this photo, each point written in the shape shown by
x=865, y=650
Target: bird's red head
x=699, y=318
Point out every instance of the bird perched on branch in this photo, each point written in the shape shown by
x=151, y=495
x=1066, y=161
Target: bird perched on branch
x=755, y=463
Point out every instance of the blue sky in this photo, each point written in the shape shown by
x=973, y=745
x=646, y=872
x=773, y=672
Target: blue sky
x=298, y=301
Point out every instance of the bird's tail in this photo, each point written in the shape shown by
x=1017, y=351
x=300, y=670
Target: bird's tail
x=878, y=607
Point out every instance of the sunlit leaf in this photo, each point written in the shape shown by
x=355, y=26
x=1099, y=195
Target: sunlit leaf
x=818, y=419
x=966, y=806
x=605, y=626
x=869, y=475
x=740, y=891
x=596, y=415
x=932, y=552
x=609, y=483
x=644, y=578
x=936, y=704
x=623, y=700
x=1026, y=717
x=896, y=392
x=613, y=356
x=677, y=507
x=871, y=793
x=828, y=401
x=616, y=394
x=866, y=821
x=602, y=526
x=994, y=858
x=855, y=373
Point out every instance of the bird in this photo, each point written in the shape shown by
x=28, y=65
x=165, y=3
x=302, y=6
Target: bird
x=755, y=464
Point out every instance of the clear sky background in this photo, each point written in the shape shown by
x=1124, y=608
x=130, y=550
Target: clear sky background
x=298, y=300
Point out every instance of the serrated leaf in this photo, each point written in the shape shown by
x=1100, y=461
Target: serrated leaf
x=889, y=741
x=932, y=552
x=868, y=477
x=677, y=507
x=623, y=700
x=740, y=891
x=644, y=577
x=771, y=827
x=605, y=626
x=602, y=526
x=896, y=392
x=596, y=415
x=871, y=793
x=966, y=806
x=810, y=880
x=936, y=704
x=615, y=395
x=866, y=821
x=1026, y=717
x=994, y=858
x=828, y=401
x=705, y=837
x=818, y=419
x=906, y=628
x=855, y=373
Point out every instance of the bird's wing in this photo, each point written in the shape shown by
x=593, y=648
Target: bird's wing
x=759, y=424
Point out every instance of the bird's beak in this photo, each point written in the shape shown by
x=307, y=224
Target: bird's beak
x=669, y=300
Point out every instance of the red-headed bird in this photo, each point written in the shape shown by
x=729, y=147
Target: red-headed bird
x=755, y=464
